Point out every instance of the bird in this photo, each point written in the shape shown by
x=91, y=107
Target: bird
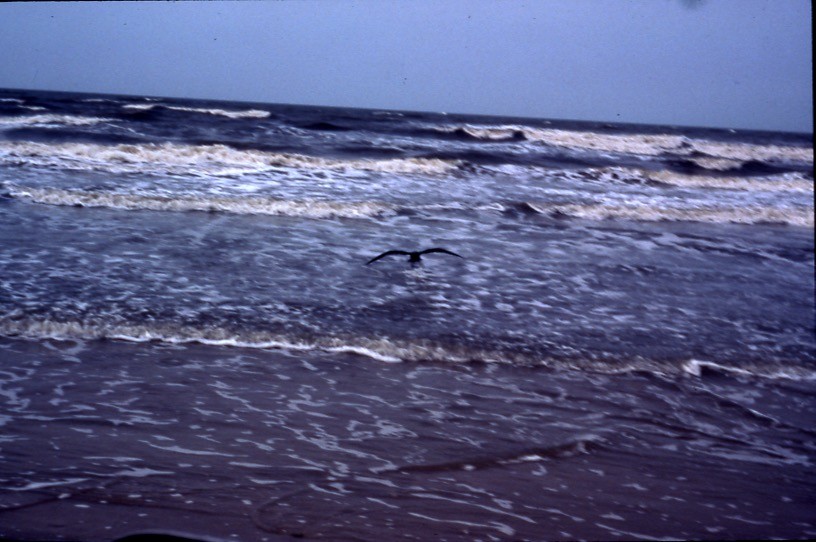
x=413, y=257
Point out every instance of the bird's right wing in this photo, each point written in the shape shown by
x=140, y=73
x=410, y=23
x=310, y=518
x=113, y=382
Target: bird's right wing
x=388, y=253
x=442, y=250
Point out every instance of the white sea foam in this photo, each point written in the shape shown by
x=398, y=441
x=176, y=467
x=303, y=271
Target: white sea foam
x=141, y=473
x=40, y=485
x=755, y=214
x=782, y=182
x=202, y=202
x=645, y=211
x=246, y=114
x=696, y=367
x=196, y=159
x=186, y=451
x=748, y=151
x=644, y=144
x=49, y=120
x=380, y=349
x=720, y=155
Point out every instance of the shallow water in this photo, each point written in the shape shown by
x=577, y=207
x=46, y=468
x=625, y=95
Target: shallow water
x=110, y=438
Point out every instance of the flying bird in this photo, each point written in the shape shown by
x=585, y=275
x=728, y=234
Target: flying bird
x=413, y=257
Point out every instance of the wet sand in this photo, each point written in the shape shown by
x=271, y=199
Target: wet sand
x=105, y=439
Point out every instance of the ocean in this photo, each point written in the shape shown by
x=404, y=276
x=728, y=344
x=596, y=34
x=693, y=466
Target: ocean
x=192, y=342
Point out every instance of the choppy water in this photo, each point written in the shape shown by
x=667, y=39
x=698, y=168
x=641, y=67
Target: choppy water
x=188, y=278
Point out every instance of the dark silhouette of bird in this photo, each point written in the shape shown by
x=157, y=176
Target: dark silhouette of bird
x=413, y=257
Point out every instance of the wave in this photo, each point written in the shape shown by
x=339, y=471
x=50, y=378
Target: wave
x=202, y=202
x=702, y=368
x=49, y=121
x=581, y=445
x=387, y=350
x=382, y=349
x=315, y=208
x=509, y=133
x=324, y=127
x=786, y=182
x=182, y=159
x=783, y=182
x=642, y=212
x=710, y=154
x=752, y=152
x=246, y=114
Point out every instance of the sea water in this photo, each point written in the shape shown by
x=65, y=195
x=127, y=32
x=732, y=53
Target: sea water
x=190, y=339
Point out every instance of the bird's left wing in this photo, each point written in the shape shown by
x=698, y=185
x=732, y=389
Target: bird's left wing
x=387, y=253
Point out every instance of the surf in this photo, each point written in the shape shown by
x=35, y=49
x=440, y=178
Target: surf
x=188, y=159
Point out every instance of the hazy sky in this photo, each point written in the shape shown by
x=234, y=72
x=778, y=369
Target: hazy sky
x=724, y=63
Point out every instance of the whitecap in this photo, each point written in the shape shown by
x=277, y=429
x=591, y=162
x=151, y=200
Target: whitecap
x=50, y=120
x=245, y=114
x=179, y=159
x=202, y=202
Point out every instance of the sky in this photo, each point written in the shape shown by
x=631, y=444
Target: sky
x=743, y=64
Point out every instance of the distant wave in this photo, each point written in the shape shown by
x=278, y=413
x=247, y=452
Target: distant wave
x=49, y=120
x=509, y=133
x=711, y=154
x=795, y=216
x=784, y=182
x=246, y=114
x=202, y=202
x=324, y=127
x=380, y=349
x=196, y=159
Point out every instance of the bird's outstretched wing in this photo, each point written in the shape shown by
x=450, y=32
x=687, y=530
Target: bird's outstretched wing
x=443, y=250
x=388, y=253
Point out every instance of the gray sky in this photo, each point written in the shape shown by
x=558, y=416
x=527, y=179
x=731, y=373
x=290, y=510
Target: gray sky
x=723, y=63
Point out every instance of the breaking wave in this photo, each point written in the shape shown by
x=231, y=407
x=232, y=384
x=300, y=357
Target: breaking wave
x=382, y=349
x=701, y=368
x=49, y=121
x=642, y=212
x=387, y=350
x=202, y=202
x=711, y=154
x=783, y=182
x=196, y=159
x=316, y=208
x=247, y=114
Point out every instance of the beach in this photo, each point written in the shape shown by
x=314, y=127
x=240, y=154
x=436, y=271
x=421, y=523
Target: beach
x=113, y=438
x=191, y=341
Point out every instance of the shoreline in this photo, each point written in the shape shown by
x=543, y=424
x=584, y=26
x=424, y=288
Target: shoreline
x=212, y=441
